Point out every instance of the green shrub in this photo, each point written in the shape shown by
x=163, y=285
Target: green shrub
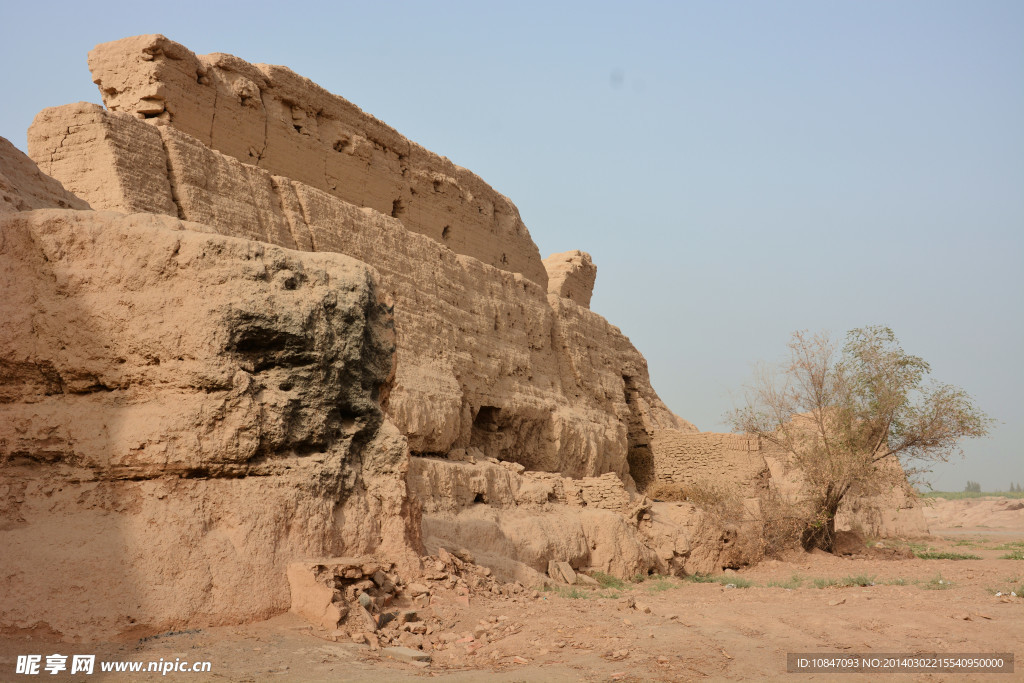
x=608, y=581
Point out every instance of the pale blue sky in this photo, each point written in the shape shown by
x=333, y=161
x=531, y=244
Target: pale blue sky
x=738, y=170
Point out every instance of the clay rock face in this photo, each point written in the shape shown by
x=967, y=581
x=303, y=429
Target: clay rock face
x=485, y=357
x=24, y=187
x=183, y=414
x=571, y=274
x=272, y=118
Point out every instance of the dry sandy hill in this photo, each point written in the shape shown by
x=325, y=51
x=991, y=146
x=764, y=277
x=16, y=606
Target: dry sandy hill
x=975, y=513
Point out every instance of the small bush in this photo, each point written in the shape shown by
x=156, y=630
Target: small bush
x=700, y=578
x=721, y=503
x=608, y=581
x=664, y=490
x=782, y=523
x=825, y=583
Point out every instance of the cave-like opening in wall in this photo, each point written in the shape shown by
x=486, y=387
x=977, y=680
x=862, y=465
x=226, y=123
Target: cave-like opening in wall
x=518, y=435
x=639, y=456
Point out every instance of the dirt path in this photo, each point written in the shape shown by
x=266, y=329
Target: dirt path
x=657, y=630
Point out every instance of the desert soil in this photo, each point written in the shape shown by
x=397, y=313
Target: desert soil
x=660, y=629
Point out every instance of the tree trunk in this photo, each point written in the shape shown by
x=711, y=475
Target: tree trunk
x=822, y=532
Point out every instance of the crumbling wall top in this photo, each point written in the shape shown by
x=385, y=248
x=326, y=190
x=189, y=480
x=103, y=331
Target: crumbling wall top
x=271, y=117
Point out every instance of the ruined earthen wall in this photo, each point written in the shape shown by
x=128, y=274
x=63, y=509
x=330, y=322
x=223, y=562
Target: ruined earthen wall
x=571, y=274
x=23, y=187
x=181, y=414
x=708, y=457
x=272, y=118
x=108, y=161
x=485, y=357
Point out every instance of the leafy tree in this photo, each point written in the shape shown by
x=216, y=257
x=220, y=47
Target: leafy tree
x=972, y=487
x=848, y=421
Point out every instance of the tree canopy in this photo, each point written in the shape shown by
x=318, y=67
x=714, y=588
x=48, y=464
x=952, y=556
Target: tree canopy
x=846, y=419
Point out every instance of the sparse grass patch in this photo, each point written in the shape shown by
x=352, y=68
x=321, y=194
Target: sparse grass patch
x=1012, y=545
x=919, y=547
x=946, y=556
x=700, y=578
x=659, y=585
x=845, y=582
x=938, y=583
x=900, y=581
x=738, y=582
x=859, y=580
x=608, y=581
x=570, y=592
x=959, y=495
x=725, y=580
x=1015, y=555
x=793, y=583
x=1010, y=585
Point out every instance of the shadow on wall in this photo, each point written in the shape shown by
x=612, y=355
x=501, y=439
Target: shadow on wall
x=65, y=527
x=638, y=454
x=182, y=415
x=509, y=435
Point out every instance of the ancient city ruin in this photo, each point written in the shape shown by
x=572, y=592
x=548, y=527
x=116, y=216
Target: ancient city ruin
x=265, y=353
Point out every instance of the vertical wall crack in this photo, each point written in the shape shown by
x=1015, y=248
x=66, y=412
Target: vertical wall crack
x=305, y=217
x=213, y=119
x=175, y=198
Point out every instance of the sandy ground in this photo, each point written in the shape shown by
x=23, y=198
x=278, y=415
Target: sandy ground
x=676, y=630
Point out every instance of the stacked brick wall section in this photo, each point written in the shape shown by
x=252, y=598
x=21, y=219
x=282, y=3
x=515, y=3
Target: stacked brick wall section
x=273, y=118
x=688, y=458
